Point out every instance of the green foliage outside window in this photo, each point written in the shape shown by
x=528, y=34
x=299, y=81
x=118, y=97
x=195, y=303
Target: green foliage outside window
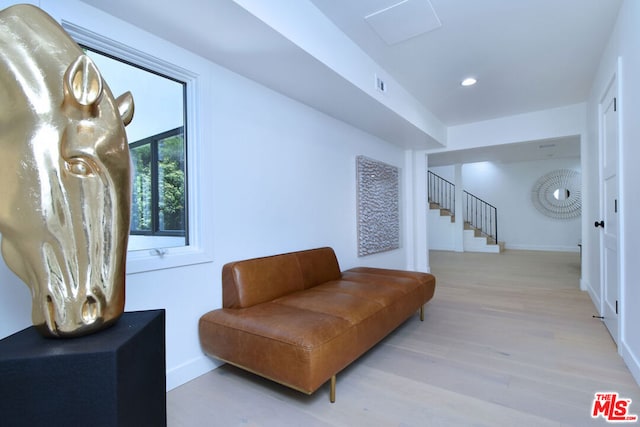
x=141, y=200
x=159, y=198
x=171, y=182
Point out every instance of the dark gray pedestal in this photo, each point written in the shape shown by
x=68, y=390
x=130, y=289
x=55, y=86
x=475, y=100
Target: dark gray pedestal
x=115, y=377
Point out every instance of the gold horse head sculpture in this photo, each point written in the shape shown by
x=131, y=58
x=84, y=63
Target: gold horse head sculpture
x=65, y=176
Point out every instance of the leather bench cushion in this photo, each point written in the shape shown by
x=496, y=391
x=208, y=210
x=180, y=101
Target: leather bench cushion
x=382, y=291
x=318, y=266
x=254, y=281
x=292, y=346
x=352, y=308
x=392, y=277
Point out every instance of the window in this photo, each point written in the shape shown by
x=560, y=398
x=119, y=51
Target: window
x=158, y=199
x=169, y=101
x=157, y=142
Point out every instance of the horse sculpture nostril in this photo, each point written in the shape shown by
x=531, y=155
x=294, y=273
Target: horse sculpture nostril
x=90, y=310
x=51, y=312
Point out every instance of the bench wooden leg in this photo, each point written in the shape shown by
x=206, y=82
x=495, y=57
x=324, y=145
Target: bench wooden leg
x=422, y=313
x=332, y=392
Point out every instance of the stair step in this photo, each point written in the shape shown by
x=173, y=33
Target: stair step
x=475, y=238
x=443, y=211
x=487, y=241
x=446, y=212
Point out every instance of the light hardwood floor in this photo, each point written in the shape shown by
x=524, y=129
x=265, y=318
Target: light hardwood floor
x=508, y=340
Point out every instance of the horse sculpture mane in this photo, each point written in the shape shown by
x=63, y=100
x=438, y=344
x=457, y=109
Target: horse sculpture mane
x=65, y=186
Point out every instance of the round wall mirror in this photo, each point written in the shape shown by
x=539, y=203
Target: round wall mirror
x=561, y=194
x=558, y=194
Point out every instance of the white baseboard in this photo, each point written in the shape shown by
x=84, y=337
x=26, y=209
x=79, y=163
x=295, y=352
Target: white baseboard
x=632, y=361
x=584, y=285
x=595, y=299
x=190, y=370
x=542, y=248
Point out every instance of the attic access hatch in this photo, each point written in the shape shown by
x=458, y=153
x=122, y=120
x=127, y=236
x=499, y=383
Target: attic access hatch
x=404, y=20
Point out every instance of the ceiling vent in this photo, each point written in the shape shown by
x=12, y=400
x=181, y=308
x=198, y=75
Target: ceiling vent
x=404, y=20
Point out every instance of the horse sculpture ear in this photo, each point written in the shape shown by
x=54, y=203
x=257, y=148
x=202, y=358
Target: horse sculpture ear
x=125, y=107
x=82, y=82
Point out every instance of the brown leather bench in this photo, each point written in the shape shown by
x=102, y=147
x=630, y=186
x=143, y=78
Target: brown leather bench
x=298, y=320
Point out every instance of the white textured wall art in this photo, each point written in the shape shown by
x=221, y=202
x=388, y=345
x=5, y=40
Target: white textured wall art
x=558, y=194
x=378, y=206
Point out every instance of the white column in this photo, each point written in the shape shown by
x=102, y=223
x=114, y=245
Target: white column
x=420, y=209
x=458, y=240
x=409, y=235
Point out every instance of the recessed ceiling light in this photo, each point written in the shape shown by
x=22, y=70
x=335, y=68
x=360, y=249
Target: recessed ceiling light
x=469, y=81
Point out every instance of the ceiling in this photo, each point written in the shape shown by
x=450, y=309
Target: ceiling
x=527, y=55
x=553, y=148
x=226, y=33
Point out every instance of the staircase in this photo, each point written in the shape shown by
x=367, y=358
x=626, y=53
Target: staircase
x=443, y=212
x=441, y=236
x=480, y=231
x=442, y=228
x=476, y=241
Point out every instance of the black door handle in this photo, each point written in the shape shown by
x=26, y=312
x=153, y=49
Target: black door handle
x=599, y=224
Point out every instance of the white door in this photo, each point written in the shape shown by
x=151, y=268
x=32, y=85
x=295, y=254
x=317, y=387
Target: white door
x=609, y=209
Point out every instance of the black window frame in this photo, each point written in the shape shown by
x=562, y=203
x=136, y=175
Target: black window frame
x=153, y=141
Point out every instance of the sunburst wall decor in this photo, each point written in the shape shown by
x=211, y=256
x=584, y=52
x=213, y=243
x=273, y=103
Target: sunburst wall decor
x=557, y=194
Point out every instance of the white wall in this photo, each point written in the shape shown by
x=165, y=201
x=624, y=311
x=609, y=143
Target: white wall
x=558, y=122
x=508, y=187
x=546, y=124
x=622, y=49
x=305, y=25
x=281, y=177
x=446, y=172
x=286, y=175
